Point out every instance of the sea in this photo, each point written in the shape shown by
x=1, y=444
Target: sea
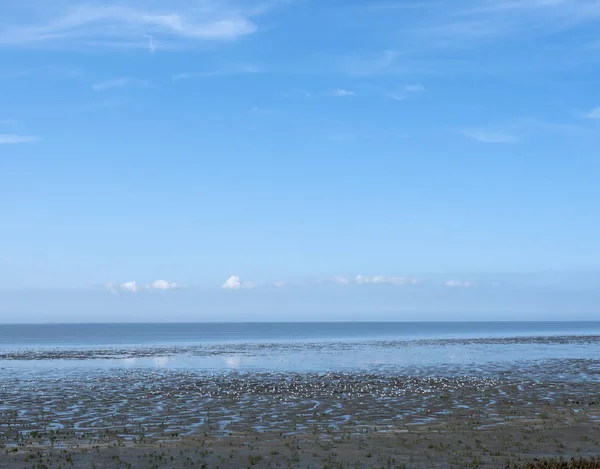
x=426, y=348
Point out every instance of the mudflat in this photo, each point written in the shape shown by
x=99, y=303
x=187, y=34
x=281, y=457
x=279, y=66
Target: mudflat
x=172, y=419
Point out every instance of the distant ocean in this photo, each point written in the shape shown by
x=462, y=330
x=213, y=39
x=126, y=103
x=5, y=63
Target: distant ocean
x=400, y=347
x=39, y=335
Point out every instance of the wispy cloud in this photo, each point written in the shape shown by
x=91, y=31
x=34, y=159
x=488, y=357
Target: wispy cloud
x=232, y=69
x=130, y=287
x=524, y=129
x=338, y=279
x=189, y=75
x=489, y=136
x=297, y=93
x=594, y=113
x=15, y=139
x=151, y=44
x=48, y=72
x=118, y=83
x=398, y=96
x=8, y=122
x=406, y=91
x=131, y=22
x=382, y=280
x=340, y=93
x=416, y=88
x=456, y=37
x=460, y=284
x=372, y=64
x=473, y=20
x=534, y=125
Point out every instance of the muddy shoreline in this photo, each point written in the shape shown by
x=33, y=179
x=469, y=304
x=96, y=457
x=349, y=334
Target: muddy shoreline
x=139, y=419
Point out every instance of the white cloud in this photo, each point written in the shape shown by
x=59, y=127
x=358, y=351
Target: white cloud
x=118, y=83
x=381, y=279
x=163, y=285
x=489, y=136
x=460, y=284
x=134, y=287
x=14, y=139
x=594, y=113
x=121, y=24
x=362, y=279
x=235, y=283
x=342, y=93
x=8, y=122
x=340, y=280
x=129, y=287
x=280, y=284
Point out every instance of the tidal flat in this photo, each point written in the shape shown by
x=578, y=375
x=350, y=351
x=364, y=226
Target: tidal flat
x=489, y=415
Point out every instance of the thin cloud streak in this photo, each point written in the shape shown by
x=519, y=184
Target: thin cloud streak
x=594, y=113
x=236, y=69
x=488, y=136
x=456, y=37
x=460, y=284
x=17, y=139
x=469, y=20
x=416, y=88
x=130, y=21
x=340, y=93
x=406, y=92
x=118, y=83
x=523, y=129
x=338, y=279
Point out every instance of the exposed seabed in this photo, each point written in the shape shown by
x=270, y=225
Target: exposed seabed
x=422, y=417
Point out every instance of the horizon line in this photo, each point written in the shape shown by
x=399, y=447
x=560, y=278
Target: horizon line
x=100, y=323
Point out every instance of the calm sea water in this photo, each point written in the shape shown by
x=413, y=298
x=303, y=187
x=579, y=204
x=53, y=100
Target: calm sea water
x=39, y=335
x=428, y=348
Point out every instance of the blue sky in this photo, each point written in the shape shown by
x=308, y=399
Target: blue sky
x=388, y=153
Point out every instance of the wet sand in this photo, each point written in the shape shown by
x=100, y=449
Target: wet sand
x=171, y=419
